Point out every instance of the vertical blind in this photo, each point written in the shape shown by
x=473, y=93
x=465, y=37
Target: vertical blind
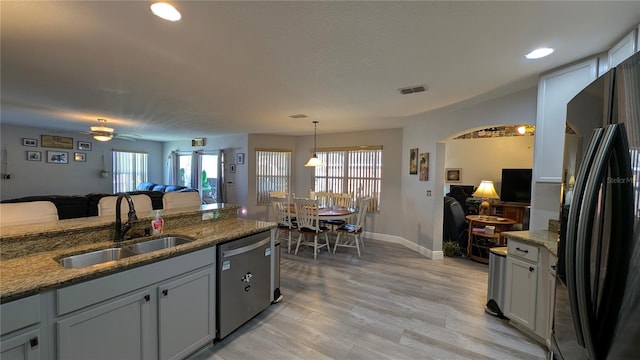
x=273, y=172
x=356, y=171
x=129, y=170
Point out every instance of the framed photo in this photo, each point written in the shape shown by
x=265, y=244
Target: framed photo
x=29, y=142
x=84, y=145
x=240, y=158
x=413, y=161
x=453, y=175
x=79, y=156
x=58, y=157
x=59, y=142
x=34, y=155
x=232, y=168
x=424, y=167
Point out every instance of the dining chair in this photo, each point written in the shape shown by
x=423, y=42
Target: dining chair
x=342, y=200
x=173, y=200
x=278, y=194
x=141, y=202
x=286, y=222
x=323, y=197
x=355, y=229
x=309, y=224
x=29, y=212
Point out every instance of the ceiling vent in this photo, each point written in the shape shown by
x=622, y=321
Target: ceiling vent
x=298, y=116
x=413, y=89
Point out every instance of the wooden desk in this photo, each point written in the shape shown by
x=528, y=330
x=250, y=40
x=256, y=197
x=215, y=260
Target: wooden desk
x=480, y=242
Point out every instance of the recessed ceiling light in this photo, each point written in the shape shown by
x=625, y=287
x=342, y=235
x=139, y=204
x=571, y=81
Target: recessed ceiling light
x=539, y=53
x=165, y=11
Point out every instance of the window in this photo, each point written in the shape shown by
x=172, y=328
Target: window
x=273, y=172
x=353, y=170
x=129, y=170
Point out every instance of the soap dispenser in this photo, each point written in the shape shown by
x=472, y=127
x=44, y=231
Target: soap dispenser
x=157, y=224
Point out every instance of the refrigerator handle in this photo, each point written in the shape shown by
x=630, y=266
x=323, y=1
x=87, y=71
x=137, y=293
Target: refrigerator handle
x=573, y=222
x=586, y=310
x=621, y=223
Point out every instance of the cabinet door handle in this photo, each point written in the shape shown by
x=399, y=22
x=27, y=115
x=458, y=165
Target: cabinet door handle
x=33, y=342
x=523, y=250
x=165, y=292
x=531, y=268
x=147, y=297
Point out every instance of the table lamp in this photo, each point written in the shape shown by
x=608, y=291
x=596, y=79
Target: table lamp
x=485, y=191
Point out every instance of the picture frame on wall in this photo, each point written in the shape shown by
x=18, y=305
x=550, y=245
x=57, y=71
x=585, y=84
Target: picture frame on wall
x=34, y=155
x=59, y=142
x=240, y=159
x=453, y=175
x=58, y=157
x=84, y=145
x=80, y=156
x=413, y=161
x=29, y=142
x=424, y=167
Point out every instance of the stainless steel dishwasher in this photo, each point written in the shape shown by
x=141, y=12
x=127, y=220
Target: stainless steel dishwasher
x=244, y=281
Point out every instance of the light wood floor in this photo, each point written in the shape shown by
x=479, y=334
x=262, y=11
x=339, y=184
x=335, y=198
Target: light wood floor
x=391, y=304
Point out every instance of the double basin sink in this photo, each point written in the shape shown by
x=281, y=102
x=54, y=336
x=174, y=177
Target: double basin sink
x=113, y=254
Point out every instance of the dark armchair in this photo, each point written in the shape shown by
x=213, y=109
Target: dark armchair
x=455, y=224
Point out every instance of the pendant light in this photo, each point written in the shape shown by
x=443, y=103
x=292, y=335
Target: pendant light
x=314, y=161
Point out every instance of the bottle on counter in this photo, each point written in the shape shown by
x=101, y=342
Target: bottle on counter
x=157, y=224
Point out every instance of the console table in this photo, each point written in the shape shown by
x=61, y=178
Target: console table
x=479, y=241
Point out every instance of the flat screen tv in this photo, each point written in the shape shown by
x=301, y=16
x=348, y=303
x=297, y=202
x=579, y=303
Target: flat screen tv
x=516, y=185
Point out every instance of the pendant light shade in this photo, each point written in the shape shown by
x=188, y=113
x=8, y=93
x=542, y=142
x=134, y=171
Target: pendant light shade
x=314, y=161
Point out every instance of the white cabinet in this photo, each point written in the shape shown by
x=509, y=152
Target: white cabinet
x=530, y=285
x=555, y=89
x=21, y=333
x=164, y=310
x=24, y=345
x=117, y=329
x=186, y=313
x=623, y=49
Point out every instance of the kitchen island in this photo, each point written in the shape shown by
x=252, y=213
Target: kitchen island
x=158, y=305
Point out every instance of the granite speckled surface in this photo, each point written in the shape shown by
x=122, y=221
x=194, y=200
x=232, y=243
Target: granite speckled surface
x=40, y=271
x=548, y=239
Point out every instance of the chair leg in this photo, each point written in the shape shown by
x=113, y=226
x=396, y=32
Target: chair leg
x=289, y=244
x=357, y=245
x=297, y=246
x=315, y=246
x=335, y=246
x=326, y=236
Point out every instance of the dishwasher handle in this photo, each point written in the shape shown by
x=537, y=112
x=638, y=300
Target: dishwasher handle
x=244, y=249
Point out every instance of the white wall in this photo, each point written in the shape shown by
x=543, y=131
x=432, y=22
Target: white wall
x=29, y=178
x=484, y=158
x=421, y=215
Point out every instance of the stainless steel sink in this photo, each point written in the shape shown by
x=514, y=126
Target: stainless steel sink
x=95, y=257
x=157, y=244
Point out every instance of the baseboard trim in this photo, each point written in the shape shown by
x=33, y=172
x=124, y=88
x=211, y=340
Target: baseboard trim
x=434, y=255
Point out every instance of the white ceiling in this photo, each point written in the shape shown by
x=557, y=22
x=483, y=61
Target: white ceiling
x=236, y=67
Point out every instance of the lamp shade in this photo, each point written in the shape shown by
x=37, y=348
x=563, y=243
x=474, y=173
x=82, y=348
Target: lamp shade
x=314, y=161
x=486, y=190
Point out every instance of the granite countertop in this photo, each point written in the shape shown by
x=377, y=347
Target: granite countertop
x=32, y=274
x=546, y=238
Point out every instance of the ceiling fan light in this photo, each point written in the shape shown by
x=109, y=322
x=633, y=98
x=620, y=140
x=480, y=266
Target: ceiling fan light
x=101, y=129
x=103, y=136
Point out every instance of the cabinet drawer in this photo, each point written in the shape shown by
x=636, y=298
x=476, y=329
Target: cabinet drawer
x=523, y=250
x=20, y=313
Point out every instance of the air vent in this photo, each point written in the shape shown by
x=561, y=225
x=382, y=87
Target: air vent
x=298, y=116
x=413, y=89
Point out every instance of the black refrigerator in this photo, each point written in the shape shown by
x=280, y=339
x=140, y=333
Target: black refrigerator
x=597, y=299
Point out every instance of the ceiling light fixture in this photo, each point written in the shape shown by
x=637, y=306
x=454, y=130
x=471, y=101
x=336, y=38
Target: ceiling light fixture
x=101, y=132
x=165, y=11
x=539, y=53
x=314, y=161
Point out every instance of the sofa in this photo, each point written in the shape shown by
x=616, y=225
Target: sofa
x=77, y=206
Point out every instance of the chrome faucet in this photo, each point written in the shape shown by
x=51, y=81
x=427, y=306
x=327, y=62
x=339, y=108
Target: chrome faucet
x=122, y=229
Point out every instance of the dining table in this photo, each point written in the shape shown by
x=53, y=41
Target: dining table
x=330, y=212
